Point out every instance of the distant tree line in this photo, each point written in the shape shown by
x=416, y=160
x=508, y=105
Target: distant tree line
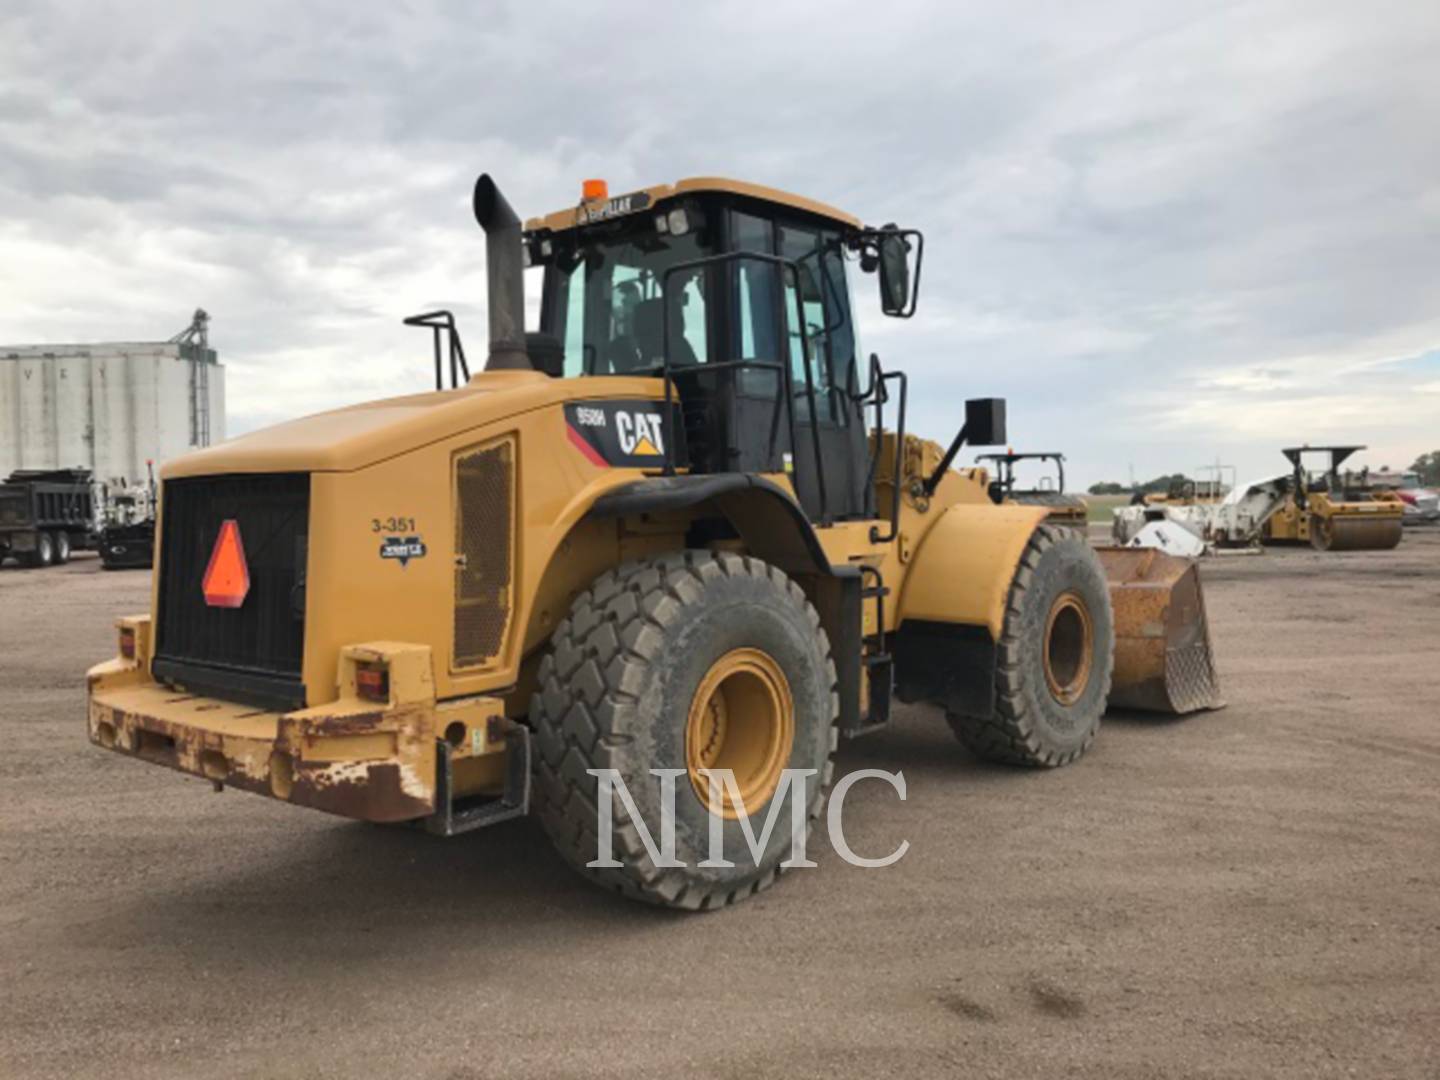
x=1426, y=465
x=1159, y=485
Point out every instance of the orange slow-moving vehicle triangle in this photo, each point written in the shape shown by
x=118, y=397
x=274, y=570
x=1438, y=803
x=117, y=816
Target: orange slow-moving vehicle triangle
x=227, y=578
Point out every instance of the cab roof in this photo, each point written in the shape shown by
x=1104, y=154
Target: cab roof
x=617, y=206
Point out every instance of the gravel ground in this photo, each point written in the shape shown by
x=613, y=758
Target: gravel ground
x=1249, y=893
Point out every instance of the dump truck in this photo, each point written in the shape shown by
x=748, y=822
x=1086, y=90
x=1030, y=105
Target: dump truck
x=1064, y=508
x=45, y=514
x=677, y=537
x=1331, y=510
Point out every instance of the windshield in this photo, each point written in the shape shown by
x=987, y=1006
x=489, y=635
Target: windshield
x=606, y=303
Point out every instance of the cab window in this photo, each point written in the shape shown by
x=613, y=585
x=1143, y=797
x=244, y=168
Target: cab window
x=824, y=306
x=609, y=305
x=755, y=296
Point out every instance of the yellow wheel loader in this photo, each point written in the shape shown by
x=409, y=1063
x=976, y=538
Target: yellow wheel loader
x=1334, y=511
x=1064, y=509
x=664, y=542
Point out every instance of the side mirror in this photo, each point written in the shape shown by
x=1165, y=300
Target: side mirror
x=899, y=252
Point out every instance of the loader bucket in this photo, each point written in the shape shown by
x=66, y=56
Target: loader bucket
x=1163, y=660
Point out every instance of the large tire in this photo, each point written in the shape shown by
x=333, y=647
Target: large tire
x=62, y=548
x=630, y=672
x=1056, y=655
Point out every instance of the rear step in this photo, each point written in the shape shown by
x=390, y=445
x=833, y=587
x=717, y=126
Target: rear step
x=460, y=815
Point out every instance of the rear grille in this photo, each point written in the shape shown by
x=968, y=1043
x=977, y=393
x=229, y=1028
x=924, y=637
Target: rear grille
x=252, y=653
x=483, y=495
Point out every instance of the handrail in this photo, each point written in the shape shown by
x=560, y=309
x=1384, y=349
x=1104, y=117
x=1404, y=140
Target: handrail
x=436, y=321
x=876, y=536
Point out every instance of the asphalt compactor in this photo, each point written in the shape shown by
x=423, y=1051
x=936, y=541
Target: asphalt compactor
x=679, y=530
x=1334, y=510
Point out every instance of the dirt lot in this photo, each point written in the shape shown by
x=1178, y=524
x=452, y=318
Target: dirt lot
x=1254, y=892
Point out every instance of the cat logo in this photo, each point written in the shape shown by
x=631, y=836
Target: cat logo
x=639, y=433
x=623, y=204
x=628, y=433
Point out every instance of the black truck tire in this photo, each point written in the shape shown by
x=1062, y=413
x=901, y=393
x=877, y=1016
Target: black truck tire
x=1055, y=657
x=684, y=661
x=44, y=553
x=62, y=548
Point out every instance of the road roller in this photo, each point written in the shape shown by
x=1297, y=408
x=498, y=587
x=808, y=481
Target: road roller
x=1331, y=510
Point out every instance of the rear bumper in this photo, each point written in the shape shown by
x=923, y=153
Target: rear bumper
x=355, y=758
x=375, y=766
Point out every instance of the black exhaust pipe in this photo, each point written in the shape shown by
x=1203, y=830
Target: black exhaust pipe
x=505, y=277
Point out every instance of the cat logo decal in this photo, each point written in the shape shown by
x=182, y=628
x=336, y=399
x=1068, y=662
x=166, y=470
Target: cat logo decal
x=618, y=433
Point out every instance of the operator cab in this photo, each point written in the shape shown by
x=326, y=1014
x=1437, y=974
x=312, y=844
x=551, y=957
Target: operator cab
x=1328, y=479
x=739, y=295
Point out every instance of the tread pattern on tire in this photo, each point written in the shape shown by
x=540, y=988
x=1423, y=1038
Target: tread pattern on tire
x=1009, y=736
x=587, y=687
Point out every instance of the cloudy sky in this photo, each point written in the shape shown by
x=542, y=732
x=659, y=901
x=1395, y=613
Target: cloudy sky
x=1168, y=233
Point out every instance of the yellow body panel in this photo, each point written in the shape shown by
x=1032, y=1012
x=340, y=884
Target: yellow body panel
x=371, y=464
x=965, y=564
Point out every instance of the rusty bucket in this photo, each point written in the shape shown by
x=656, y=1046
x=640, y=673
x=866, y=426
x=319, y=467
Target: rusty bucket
x=1163, y=659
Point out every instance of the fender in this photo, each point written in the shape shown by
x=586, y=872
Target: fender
x=952, y=605
x=962, y=570
x=766, y=516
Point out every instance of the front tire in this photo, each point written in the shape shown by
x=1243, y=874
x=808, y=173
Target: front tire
x=685, y=661
x=1055, y=658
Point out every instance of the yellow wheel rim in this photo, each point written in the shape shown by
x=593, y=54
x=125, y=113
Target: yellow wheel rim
x=742, y=718
x=1069, y=648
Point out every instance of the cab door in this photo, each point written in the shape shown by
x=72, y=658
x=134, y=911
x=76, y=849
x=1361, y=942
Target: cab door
x=767, y=307
x=823, y=377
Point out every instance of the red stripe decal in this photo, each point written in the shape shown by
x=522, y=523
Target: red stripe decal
x=585, y=448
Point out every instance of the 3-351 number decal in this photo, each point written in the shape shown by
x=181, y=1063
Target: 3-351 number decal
x=392, y=524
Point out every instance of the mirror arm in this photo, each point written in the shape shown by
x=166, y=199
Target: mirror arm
x=933, y=481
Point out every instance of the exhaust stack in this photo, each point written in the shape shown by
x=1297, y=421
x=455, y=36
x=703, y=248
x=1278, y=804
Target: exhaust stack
x=505, y=277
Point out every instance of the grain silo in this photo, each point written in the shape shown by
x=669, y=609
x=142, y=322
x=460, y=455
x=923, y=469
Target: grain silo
x=110, y=407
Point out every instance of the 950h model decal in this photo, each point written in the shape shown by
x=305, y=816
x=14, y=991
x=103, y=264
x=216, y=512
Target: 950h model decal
x=628, y=433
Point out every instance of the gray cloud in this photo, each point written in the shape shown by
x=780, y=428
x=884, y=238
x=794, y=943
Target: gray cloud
x=1165, y=234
